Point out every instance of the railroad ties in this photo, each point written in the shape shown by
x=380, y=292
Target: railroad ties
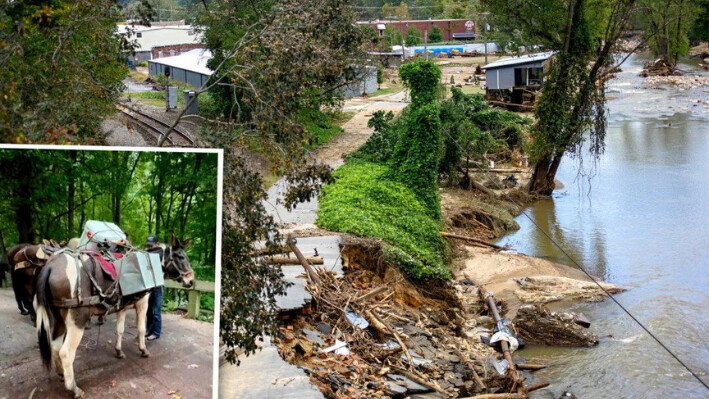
x=155, y=127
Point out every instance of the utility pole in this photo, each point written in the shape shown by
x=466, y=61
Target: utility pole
x=484, y=29
x=425, y=43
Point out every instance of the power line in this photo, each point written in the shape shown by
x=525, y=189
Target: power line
x=519, y=207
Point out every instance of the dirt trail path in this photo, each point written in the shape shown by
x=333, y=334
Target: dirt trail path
x=356, y=131
x=180, y=361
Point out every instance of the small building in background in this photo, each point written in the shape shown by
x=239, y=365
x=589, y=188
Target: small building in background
x=452, y=29
x=190, y=67
x=515, y=79
x=164, y=39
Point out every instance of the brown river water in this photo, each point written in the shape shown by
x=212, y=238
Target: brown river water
x=642, y=222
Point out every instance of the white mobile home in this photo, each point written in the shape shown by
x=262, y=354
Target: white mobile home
x=521, y=72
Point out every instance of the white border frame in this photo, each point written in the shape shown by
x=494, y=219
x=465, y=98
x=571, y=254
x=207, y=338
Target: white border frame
x=218, y=244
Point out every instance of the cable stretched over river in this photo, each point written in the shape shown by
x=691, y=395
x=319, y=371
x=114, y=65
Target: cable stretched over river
x=521, y=210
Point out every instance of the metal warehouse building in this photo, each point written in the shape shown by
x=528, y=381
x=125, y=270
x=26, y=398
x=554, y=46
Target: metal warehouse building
x=190, y=67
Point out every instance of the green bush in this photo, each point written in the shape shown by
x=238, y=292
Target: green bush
x=142, y=64
x=413, y=36
x=365, y=202
x=435, y=35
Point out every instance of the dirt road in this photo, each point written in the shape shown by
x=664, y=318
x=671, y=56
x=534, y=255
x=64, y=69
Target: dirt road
x=356, y=131
x=180, y=362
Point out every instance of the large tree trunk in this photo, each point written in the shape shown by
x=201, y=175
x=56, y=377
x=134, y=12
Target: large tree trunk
x=542, y=181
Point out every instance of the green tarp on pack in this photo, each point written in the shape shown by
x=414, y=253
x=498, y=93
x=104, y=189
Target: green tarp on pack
x=140, y=271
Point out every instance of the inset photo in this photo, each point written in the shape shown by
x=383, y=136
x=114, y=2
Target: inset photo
x=108, y=271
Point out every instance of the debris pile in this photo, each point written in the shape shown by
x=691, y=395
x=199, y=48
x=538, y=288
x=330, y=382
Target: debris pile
x=375, y=334
x=659, y=67
x=537, y=325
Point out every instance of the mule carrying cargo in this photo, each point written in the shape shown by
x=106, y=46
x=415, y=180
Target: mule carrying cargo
x=138, y=272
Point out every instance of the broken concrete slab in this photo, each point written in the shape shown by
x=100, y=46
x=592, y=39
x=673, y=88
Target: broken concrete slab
x=410, y=385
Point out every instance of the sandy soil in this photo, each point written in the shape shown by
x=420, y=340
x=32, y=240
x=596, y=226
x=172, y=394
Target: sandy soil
x=496, y=272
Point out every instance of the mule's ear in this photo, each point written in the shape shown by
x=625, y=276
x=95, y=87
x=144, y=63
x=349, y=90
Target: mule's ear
x=187, y=243
x=174, y=242
x=46, y=242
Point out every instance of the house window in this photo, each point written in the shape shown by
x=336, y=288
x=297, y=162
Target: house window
x=139, y=34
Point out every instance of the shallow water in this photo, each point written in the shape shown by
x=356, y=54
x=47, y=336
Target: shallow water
x=641, y=222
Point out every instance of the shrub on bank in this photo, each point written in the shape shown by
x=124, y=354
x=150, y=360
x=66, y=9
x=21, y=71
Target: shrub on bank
x=365, y=202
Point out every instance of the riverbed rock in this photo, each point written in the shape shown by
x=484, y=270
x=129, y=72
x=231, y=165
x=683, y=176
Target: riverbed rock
x=543, y=289
x=537, y=325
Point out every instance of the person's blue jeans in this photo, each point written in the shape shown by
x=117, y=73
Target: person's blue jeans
x=154, y=319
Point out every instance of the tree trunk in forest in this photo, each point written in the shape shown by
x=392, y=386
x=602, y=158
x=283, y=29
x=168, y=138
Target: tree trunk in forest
x=71, y=191
x=3, y=248
x=23, y=207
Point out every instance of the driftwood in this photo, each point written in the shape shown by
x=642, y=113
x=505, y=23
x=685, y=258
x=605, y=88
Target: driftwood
x=470, y=239
x=537, y=386
x=286, y=260
x=531, y=366
x=498, y=396
x=415, y=378
x=377, y=322
x=312, y=274
x=374, y=292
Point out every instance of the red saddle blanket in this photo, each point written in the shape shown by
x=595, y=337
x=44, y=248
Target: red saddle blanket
x=108, y=267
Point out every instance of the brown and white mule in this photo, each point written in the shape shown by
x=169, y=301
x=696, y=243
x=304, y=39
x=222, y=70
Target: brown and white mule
x=72, y=287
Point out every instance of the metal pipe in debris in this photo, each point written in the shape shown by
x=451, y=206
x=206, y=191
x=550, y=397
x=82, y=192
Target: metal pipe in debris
x=505, y=345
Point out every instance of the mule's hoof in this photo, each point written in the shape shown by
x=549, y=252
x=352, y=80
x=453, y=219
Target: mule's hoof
x=78, y=393
x=144, y=353
x=24, y=312
x=120, y=354
x=100, y=321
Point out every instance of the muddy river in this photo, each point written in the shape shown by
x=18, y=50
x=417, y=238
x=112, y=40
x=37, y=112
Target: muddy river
x=642, y=222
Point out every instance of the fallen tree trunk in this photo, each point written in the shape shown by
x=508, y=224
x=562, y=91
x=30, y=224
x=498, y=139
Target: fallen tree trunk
x=312, y=275
x=470, y=239
x=286, y=260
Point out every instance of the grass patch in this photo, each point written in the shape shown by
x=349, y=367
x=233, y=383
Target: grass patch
x=137, y=77
x=390, y=89
x=472, y=89
x=364, y=202
x=323, y=126
x=157, y=98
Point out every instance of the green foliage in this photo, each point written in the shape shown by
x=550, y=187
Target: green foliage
x=413, y=36
x=392, y=37
x=468, y=121
x=142, y=64
x=416, y=155
x=422, y=78
x=52, y=193
x=666, y=24
x=380, y=145
x=273, y=68
x=321, y=126
x=380, y=75
x=435, y=35
x=61, y=69
x=366, y=202
x=700, y=28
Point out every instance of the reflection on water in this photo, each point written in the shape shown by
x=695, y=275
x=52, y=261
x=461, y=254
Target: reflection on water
x=640, y=222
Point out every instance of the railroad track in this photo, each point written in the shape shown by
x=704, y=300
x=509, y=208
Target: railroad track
x=156, y=127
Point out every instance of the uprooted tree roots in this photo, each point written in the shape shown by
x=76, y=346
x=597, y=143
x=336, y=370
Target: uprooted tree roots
x=374, y=333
